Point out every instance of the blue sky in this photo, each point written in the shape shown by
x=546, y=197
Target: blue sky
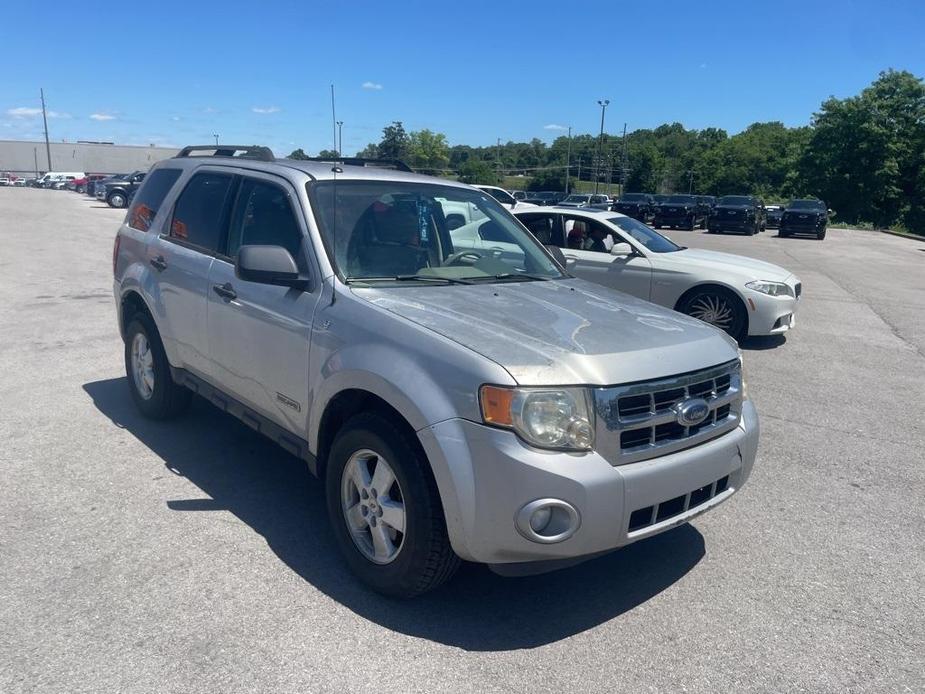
x=259, y=72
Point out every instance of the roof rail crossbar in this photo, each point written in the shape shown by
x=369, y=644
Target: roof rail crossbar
x=246, y=151
x=397, y=164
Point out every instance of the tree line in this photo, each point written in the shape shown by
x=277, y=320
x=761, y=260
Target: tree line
x=863, y=155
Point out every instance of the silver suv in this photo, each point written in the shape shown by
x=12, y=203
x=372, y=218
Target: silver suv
x=461, y=396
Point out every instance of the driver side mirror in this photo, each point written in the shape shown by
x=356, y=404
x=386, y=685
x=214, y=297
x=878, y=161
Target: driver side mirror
x=623, y=249
x=268, y=265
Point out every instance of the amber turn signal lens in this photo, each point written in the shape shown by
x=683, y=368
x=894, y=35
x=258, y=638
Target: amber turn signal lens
x=496, y=405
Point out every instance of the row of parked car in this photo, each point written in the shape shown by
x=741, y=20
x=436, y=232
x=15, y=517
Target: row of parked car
x=116, y=190
x=730, y=213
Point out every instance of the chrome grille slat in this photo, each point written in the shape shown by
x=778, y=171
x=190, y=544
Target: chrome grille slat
x=628, y=431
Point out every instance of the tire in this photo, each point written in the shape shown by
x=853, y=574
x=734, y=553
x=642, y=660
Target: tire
x=691, y=224
x=782, y=234
x=821, y=235
x=754, y=230
x=156, y=394
x=711, y=304
x=117, y=200
x=413, y=560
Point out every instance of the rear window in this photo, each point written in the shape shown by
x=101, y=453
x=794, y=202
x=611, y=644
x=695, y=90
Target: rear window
x=149, y=198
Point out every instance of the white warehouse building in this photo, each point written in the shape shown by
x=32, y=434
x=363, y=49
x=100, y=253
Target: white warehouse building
x=22, y=158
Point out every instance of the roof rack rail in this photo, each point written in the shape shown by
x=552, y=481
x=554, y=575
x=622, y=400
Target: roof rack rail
x=246, y=151
x=397, y=164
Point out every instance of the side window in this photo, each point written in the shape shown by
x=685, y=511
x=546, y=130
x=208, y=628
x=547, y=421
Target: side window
x=198, y=214
x=263, y=216
x=588, y=235
x=149, y=198
x=542, y=226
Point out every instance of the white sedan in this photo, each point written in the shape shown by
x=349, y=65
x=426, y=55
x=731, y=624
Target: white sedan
x=740, y=295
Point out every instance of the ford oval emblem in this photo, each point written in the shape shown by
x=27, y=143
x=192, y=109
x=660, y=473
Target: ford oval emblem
x=692, y=412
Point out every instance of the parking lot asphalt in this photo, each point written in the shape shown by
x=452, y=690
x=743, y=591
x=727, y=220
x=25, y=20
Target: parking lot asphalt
x=195, y=556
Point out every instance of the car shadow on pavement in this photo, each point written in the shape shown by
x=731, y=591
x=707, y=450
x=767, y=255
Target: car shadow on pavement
x=275, y=494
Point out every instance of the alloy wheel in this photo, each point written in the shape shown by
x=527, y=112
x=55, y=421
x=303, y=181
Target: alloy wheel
x=373, y=506
x=713, y=309
x=143, y=366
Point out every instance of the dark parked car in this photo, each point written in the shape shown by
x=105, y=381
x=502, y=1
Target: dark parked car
x=660, y=198
x=680, y=211
x=119, y=192
x=639, y=206
x=739, y=213
x=597, y=201
x=706, y=203
x=544, y=198
x=772, y=215
x=804, y=217
x=93, y=179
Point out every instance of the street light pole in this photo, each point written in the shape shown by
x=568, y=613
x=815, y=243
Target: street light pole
x=600, y=145
x=340, y=138
x=215, y=135
x=568, y=159
x=45, y=121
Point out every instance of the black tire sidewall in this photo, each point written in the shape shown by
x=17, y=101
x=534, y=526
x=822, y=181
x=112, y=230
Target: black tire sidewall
x=740, y=322
x=158, y=406
x=402, y=576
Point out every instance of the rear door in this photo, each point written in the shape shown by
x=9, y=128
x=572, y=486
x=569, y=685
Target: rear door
x=260, y=334
x=592, y=261
x=182, y=256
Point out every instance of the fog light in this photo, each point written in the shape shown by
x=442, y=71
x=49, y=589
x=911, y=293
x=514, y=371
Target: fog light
x=547, y=521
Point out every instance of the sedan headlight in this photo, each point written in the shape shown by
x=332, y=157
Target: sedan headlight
x=771, y=288
x=555, y=418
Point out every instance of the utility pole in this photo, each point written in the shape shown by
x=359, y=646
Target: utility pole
x=215, y=135
x=340, y=138
x=35, y=155
x=690, y=181
x=623, y=165
x=498, y=158
x=45, y=121
x=579, y=169
x=600, y=144
x=568, y=159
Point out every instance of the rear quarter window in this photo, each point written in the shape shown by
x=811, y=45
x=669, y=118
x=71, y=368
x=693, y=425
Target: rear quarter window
x=149, y=198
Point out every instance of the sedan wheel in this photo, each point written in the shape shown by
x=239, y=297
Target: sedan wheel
x=718, y=308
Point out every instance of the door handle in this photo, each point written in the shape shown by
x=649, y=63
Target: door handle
x=226, y=291
x=158, y=263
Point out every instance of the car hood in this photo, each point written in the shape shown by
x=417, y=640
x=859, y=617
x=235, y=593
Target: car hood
x=725, y=263
x=562, y=331
x=733, y=207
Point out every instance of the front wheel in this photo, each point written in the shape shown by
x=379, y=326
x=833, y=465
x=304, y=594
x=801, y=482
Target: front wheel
x=821, y=235
x=116, y=200
x=718, y=307
x=385, y=509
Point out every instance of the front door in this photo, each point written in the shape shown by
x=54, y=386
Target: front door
x=588, y=245
x=259, y=334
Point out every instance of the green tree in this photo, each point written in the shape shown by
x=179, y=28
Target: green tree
x=370, y=151
x=478, y=171
x=394, y=143
x=298, y=154
x=329, y=154
x=428, y=151
x=548, y=179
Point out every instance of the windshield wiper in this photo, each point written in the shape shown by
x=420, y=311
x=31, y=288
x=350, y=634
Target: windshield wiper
x=505, y=276
x=410, y=278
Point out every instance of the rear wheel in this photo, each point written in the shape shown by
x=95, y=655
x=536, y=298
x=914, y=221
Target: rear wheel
x=718, y=307
x=385, y=510
x=153, y=389
x=116, y=200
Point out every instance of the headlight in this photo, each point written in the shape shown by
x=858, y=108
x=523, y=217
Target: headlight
x=770, y=288
x=557, y=418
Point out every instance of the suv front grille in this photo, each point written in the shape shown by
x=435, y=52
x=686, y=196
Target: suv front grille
x=640, y=420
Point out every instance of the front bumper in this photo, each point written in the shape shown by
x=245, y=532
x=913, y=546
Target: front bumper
x=743, y=225
x=486, y=476
x=676, y=219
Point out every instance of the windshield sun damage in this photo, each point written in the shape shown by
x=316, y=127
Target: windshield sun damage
x=411, y=232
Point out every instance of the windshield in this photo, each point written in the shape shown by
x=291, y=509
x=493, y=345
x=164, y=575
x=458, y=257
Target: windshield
x=734, y=200
x=632, y=197
x=649, y=238
x=389, y=231
x=501, y=196
x=686, y=199
x=576, y=198
x=806, y=205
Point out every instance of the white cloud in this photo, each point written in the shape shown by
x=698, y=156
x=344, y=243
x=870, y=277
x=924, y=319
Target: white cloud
x=102, y=116
x=375, y=86
x=29, y=112
x=555, y=126
x=175, y=118
x=265, y=109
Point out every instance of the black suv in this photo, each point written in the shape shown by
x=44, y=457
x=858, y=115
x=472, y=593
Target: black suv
x=804, y=217
x=680, y=211
x=706, y=204
x=119, y=192
x=639, y=206
x=544, y=198
x=741, y=213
